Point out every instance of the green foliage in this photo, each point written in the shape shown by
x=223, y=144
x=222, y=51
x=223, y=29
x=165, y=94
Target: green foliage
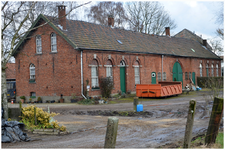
x=106, y=86
x=219, y=139
x=23, y=97
x=85, y=101
x=43, y=118
x=39, y=99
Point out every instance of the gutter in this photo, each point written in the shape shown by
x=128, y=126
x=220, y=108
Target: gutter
x=80, y=48
x=81, y=74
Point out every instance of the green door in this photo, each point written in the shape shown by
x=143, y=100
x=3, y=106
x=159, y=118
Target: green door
x=122, y=79
x=193, y=77
x=177, y=72
x=153, y=78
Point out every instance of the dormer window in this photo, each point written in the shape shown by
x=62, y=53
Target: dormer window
x=53, y=43
x=38, y=44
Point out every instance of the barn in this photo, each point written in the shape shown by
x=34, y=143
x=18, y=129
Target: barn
x=59, y=57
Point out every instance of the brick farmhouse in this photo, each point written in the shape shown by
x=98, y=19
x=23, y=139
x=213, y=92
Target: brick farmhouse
x=57, y=59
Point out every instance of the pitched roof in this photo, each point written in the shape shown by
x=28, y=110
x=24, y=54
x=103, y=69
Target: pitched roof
x=89, y=36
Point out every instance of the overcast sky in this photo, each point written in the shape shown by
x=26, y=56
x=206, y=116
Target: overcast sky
x=196, y=16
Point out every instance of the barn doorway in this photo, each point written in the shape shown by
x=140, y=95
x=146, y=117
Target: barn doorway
x=177, y=72
x=123, y=76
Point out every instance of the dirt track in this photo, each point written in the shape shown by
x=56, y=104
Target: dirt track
x=165, y=126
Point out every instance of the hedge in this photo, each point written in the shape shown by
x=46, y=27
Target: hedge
x=208, y=82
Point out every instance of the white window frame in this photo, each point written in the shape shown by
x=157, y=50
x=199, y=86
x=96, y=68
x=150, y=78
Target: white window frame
x=200, y=70
x=159, y=76
x=164, y=76
x=32, y=71
x=190, y=76
x=109, y=71
x=217, y=70
x=38, y=44
x=94, y=76
x=212, y=71
x=137, y=74
x=53, y=45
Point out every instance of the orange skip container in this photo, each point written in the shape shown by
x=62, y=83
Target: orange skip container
x=162, y=89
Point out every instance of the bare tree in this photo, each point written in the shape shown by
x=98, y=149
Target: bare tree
x=99, y=13
x=216, y=46
x=148, y=17
x=17, y=17
x=220, y=21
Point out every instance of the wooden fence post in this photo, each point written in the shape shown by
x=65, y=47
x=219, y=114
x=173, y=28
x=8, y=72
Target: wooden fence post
x=35, y=118
x=111, y=132
x=135, y=103
x=214, y=122
x=189, y=124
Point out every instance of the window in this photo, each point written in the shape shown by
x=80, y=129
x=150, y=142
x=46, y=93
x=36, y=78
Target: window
x=189, y=75
x=38, y=44
x=53, y=43
x=136, y=72
x=212, y=70
x=200, y=69
x=164, y=76
x=207, y=70
x=32, y=72
x=217, y=70
x=32, y=95
x=108, y=68
x=186, y=76
x=159, y=76
x=94, y=74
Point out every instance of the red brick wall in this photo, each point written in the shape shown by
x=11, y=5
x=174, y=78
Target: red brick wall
x=65, y=77
x=10, y=71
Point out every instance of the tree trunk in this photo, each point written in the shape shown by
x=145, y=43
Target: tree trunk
x=4, y=95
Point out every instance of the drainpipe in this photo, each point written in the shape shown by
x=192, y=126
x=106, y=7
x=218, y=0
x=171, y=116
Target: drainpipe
x=162, y=66
x=81, y=72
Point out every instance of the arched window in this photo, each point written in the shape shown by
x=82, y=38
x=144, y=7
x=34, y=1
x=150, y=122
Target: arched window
x=207, y=69
x=38, y=44
x=200, y=69
x=186, y=76
x=164, y=76
x=53, y=43
x=190, y=76
x=136, y=72
x=108, y=66
x=94, y=74
x=32, y=71
x=212, y=70
x=159, y=76
x=217, y=70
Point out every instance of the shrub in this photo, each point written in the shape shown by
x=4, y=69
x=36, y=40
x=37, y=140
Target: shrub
x=43, y=118
x=22, y=97
x=106, y=86
x=39, y=99
x=85, y=101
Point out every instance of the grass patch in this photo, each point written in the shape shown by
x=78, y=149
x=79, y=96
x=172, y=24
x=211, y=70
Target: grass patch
x=219, y=139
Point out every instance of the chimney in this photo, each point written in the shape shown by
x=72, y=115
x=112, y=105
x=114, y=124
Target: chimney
x=62, y=16
x=110, y=21
x=204, y=43
x=167, y=29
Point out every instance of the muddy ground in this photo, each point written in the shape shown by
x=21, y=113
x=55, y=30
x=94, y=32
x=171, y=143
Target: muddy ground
x=162, y=123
